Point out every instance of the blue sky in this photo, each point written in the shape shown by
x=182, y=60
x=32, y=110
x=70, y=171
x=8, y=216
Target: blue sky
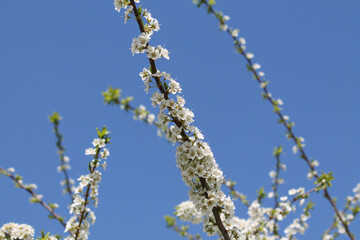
x=60, y=56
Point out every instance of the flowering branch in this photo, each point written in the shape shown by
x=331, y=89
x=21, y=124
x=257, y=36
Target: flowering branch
x=194, y=157
x=35, y=198
x=258, y=75
x=279, y=213
x=79, y=224
x=112, y=97
x=55, y=118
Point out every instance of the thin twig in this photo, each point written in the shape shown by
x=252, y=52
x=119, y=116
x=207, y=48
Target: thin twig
x=32, y=193
x=61, y=151
x=275, y=187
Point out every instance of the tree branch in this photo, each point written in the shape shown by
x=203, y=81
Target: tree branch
x=291, y=135
x=32, y=193
x=178, y=123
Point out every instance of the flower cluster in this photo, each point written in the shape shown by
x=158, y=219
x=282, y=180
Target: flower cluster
x=356, y=198
x=141, y=113
x=119, y=4
x=112, y=97
x=14, y=231
x=67, y=182
x=313, y=173
x=194, y=157
x=87, y=190
x=186, y=211
x=262, y=222
x=197, y=164
x=256, y=217
x=65, y=165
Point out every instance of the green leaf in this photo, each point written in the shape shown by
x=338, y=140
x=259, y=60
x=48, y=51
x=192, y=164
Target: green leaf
x=325, y=180
x=33, y=200
x=264, y=97
x=101, y=134
x=55, y=117
x=278, y=151
x=170, y=221
x=112, y=95
x=212, y=2
x=248, y=67
x=309, y=206
x=261, y=194
x=356, y=210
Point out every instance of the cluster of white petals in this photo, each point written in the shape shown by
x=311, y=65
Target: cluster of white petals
x=186, y=211
x=64, y=183
x=194, y=157
x=119, y=4
x=222, y=21
x=140, y=113
x=261, y=222
x=88, y=189
x=196, y=162
x=301, y=144
x=65, y=166
x=297, y=226
x=356, y=198
x=327, y=237
x=14, y=231
x=259, y=215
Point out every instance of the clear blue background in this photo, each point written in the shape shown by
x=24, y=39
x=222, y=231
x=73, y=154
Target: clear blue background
x=60, y=56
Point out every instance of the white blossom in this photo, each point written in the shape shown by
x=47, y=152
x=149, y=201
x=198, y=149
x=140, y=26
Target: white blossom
x=249, y=55
x=17, y=231
x=256, y=66
x=186, y=211
x=292, y=192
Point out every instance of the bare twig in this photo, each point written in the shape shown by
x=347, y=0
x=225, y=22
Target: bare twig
x=55, y=119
